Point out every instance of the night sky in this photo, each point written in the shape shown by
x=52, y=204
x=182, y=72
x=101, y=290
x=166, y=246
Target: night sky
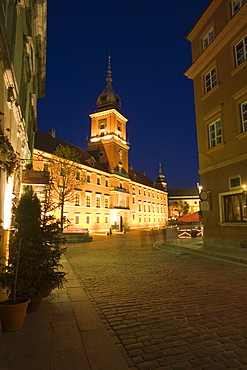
x=149, y=54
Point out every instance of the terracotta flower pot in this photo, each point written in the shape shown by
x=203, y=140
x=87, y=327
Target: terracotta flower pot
x=12, y=315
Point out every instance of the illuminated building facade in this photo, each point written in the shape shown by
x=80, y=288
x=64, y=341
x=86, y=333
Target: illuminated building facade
x=115, y=196
x=22, y=81
x=183, y=196
x=219, y=73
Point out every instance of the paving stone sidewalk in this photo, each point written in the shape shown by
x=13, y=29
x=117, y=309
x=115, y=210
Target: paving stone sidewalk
x=65, y=333
x=166, y=309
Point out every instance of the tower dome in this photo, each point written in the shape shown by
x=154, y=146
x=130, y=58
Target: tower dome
x=160, y=179
x=108, y=99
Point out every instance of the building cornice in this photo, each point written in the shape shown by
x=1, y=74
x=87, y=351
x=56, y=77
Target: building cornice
x=225, y=163
x=201, y=22
x=232, y=28
x=107, y=113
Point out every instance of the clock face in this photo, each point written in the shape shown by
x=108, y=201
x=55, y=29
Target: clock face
x=204, y=195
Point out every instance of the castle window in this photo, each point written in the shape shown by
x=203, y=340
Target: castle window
x=88, y=218
x=98, y=196
x=102, y=123
x=78, y=175
x=215, y=136
x=77, y=218
x=106, y=219
x=98, y=180
x=106, y=183
x=88, y=178
x=88, y=199
x=207, y=39
x=210, y=80
x=45, y=167
x=97, y=218
x=106, y=202
x=119, y=126
x=77, y=199
x=241, y=51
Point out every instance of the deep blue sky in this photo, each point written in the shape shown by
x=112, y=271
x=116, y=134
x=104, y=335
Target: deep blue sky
x=149, y=54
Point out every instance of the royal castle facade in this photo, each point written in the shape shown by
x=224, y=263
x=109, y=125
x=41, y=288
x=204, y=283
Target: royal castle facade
x=114, y=197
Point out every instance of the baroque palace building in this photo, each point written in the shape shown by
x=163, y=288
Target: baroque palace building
x=22, y=82
x=115, y=197
x=219, y=72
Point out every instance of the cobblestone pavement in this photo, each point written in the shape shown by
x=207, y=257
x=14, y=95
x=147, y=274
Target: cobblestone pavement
x=165, y=310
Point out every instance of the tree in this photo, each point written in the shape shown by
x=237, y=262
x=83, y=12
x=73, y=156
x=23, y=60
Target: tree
x=34, y=251
x=181, y=207
x=65, y=178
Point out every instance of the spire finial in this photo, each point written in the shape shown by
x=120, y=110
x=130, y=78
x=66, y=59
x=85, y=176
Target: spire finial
x=160, y=168
x=109, y=79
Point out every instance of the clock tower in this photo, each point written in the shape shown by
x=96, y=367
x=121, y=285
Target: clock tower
x=108, y=131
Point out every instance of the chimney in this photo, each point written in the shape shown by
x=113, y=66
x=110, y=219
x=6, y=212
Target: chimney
x=130, y=167
x=52, y=132
x=144, y=173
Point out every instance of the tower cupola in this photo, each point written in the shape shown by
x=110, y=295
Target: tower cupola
x=108, y=99
x=160, y=179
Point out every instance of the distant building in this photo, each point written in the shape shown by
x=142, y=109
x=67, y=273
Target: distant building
x=177, y=197
x=22, y=81
x=219, y=73
x=115, y=196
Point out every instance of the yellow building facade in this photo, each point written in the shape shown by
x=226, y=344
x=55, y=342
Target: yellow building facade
x=22, y=82
x=219, y=72
x=114, y=197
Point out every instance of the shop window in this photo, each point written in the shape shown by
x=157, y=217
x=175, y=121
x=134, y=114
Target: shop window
x=235, y=207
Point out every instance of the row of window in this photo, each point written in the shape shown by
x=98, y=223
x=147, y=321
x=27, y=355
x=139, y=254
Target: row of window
x=77, y=218
x=159, y=208
x=143, y=191
x=146, y=207
x=210, y=78
x=215, y=131
x=105, y=218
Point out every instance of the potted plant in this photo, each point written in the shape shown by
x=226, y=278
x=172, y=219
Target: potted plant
x=8, y=157
x=34, y=253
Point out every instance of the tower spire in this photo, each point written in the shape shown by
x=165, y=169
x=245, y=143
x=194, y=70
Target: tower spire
x=108, y=99
x=109, y=79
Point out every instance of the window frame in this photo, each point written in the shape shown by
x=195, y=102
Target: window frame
x=244, y=47
x=77, y=218
x=210, y=140
x=243, y=119
x=98, y=201
x=88, y=218
x=212, y=83
x=208, y=38
x=224, y=208
x=77, y=199
x=88, y=199
x=237, y=3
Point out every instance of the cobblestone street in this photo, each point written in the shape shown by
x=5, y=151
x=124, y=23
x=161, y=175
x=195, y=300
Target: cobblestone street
x=165, y=309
